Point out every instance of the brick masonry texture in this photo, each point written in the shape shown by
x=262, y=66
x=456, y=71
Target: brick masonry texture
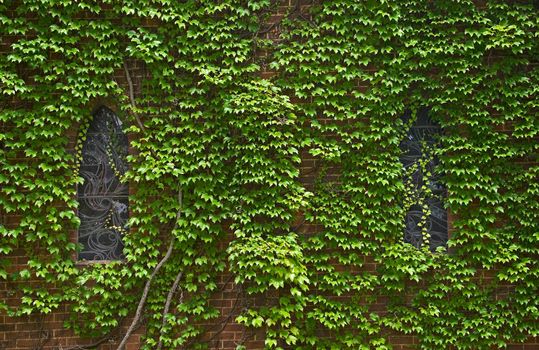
x=47, y=332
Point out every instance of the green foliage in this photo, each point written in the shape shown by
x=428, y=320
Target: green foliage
x=231, y=143
x=357, y=66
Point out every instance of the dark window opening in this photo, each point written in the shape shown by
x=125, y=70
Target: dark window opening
x=103, y=197
x=426, y=217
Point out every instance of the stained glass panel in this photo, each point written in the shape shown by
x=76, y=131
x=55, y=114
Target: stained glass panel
x=426, y=219
x=103, y=197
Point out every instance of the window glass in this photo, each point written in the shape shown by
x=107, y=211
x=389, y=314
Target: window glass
x=103, y=197
x=426, y=217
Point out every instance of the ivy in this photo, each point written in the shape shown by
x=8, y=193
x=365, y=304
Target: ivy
x=357, y=67
x=327, y=256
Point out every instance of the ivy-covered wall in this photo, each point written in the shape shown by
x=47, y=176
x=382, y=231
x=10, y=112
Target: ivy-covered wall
x=268, y=199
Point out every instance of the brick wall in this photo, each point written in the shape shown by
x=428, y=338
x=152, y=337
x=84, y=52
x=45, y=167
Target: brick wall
x=47, y=332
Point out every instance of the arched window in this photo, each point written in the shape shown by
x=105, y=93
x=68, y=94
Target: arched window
x=426, y=217
x=103, y=197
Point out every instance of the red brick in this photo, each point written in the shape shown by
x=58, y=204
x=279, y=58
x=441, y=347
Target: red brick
x=402, y=340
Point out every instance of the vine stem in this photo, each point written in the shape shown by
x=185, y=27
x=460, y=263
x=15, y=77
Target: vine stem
x=132, y=97
x=90, y=346
x=167, y=305
x=144, y=296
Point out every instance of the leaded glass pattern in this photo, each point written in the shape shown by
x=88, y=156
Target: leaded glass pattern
x=426, y=218
x=103, y=196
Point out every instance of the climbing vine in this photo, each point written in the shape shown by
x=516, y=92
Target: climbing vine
x=357, y=67
x=215, y=160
